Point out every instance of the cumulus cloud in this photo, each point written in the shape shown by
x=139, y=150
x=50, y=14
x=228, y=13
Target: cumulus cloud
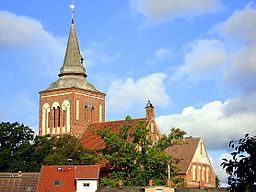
x=240, y=26
x=160, y=55
x=29, y=36
x=206, y=56
x=125, y=94
x=220, y=172
x=214, y=122
x=162, y=10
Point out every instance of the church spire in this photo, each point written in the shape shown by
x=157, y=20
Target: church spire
x=73, y=61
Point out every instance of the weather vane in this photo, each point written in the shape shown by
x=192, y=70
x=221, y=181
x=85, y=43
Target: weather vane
x=72, y=7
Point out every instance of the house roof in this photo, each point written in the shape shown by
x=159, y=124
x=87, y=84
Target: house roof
x=183, y=154
x=93, y=142
x=66, y=176
x=18, y=182
x=88, y=171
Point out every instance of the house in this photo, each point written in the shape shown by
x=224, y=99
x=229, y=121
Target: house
x=18, y=182
x=193, y=162
x=74, y=178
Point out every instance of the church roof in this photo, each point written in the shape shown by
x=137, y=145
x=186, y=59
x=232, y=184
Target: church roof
x=94, y=142
x=183, y=154
x=72, y=73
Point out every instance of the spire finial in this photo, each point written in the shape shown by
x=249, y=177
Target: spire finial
x=72, y=7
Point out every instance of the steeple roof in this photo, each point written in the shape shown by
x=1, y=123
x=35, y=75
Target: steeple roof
x=73, y=61
x=72, y=73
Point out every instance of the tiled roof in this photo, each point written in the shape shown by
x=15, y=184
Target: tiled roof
x=183, y=154
x=92, y=141
x=13, y=182
x=88, y=171
x=66, y=176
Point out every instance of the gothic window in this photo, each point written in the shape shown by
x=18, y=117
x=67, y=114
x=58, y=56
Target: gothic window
x=66, y=116
x=56, y=115
x=77, y=109
x=207, y=174
x=100, y=113
x=45, y=118
x=194, y=172
x=203, y=173
x=199, y=173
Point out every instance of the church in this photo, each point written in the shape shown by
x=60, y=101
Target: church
x=72, y=105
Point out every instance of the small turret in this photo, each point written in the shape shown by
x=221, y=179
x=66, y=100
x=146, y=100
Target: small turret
x=150, y=113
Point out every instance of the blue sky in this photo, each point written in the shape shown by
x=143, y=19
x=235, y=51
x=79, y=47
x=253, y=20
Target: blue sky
x=194, y=59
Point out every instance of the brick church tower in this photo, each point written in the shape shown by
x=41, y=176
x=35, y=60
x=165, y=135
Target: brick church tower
x=71, y=103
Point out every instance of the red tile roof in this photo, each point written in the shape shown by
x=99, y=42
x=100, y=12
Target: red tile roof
x=66, y=176
x=183, y=154
x=92, y=141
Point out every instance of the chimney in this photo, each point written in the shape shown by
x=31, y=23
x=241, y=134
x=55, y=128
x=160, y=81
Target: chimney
x=150, y=114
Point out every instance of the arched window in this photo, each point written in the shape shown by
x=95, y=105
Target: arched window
x=100, y=113
x=56, y=117
x=194, y=172
x=66, y=116
x=199, y=173
x=207, y=174
x=203, y=173
x=45, y=119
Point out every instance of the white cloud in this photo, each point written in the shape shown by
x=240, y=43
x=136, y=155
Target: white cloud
x=220, y=172
x=160, y=55
x=240, y=26
x=125, y=94
x=214, y=122
x=206, y=56
x=162, y=10
x=44, y=52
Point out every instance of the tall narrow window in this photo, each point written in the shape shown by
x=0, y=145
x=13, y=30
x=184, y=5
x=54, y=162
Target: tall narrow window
x=58, y=116
x=54, y=117
x=66, y=116
x=100, y=113
x=207, y=174
x=199, y=173
x=194, y=172
x=77, y=109
x=203, y=173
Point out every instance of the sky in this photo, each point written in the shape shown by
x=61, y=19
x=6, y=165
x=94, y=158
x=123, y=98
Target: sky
x=194, y=59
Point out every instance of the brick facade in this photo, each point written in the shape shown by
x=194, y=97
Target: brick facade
x=84, y=107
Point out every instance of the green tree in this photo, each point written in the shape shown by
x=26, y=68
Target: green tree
x=15, y=146
x=242, y=167
x=56, y=150
x=130, y=155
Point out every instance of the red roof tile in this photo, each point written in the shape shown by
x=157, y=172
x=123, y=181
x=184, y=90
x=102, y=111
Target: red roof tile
x=66, y=176
x=183, y=154
x=92, y=141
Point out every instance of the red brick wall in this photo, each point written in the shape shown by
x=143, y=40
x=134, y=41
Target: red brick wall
x=189, y=182
x=72, y=94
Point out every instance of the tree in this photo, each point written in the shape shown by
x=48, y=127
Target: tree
x=15, y=146
x=242, y=167
x=131, y=157
x=52, y=150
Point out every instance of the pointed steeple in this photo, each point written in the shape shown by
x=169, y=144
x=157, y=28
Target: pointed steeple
x=72, y=73
x=73, y=61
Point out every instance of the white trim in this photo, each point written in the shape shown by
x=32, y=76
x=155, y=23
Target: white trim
x=57, y=94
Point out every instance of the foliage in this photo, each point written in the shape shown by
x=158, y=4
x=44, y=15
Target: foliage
x=130, y=155
x=15, y=146
x=20, y=151
x=242, y=167
x=175, y=136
